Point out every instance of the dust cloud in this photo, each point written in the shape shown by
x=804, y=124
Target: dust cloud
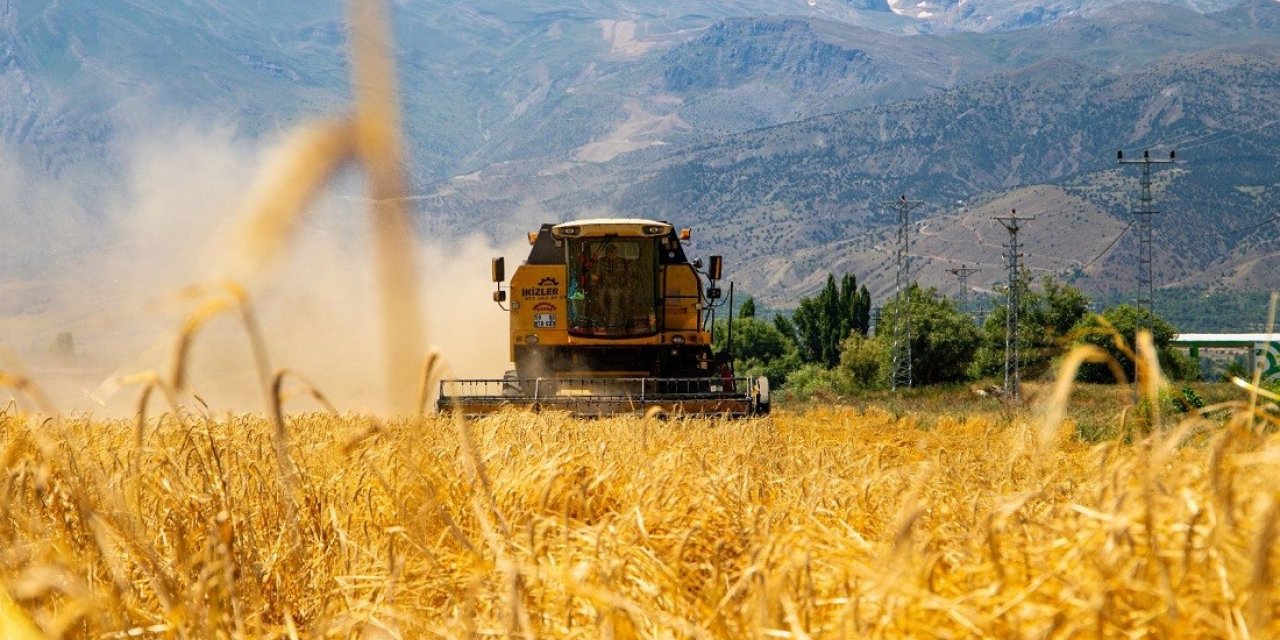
x=76, y=326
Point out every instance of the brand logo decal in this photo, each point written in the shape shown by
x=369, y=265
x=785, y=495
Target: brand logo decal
x=547, y=287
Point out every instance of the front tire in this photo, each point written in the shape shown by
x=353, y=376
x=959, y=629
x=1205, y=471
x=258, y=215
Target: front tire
x=762, y=396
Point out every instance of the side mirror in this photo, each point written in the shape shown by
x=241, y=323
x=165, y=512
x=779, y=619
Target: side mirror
x=499, y=296
x=499, y=269
x=713, y=271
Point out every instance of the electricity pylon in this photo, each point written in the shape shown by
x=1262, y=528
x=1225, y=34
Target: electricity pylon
x=1144, y=213
x=1012, y=361
x=963, y=272
x=900, y=374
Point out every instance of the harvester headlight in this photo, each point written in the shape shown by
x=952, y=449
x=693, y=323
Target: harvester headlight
x=653, y=231
x=677, y=339
x=531, y=339
x=568, y=231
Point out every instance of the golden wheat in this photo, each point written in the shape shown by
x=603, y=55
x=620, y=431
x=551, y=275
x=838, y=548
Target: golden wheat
x=834, y=523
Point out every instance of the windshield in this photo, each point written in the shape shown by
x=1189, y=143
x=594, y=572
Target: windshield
x=611, y=286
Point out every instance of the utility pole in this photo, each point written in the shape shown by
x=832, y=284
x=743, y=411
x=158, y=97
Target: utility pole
x=1144, y=213
x=1012, y=362
x=963, y=272
x=900, y=375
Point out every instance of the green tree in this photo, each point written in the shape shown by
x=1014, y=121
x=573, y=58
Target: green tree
x=777, y=370
x=759, y=348
x=784, y=326
x=866, y=360
x=809, y=320
x=1046, y=319
x=864, y=311
x=752, y=338
x=748, y=308
x=820, y=324
x=1124, y=320
x=944, y=339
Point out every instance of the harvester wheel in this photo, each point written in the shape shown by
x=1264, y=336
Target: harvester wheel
x=657, y=412
x=762, y=396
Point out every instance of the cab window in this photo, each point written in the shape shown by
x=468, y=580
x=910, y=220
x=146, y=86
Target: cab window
x=611, y=286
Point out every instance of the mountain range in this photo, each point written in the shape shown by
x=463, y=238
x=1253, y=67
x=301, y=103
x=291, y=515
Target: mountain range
x=776, y=129
x=981, y=123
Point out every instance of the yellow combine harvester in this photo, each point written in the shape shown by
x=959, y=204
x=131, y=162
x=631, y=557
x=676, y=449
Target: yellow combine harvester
x=609, y=316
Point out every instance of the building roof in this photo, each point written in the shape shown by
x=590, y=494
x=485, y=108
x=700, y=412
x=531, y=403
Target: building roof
x=1224, y=339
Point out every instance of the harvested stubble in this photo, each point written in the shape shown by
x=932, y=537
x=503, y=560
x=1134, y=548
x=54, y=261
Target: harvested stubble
x=833, y=523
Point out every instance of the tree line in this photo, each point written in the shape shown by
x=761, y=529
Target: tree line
x=830, y=341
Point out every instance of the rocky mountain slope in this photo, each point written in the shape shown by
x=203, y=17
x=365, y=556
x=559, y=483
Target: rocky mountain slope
x=791, y=201
x=774, y=127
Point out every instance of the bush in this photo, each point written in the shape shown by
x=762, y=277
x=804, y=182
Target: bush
x=1046, y=319
x=943, y=338
x=753, y=339
x=759, y=349
x=866, y=360
x=1101, y=330
x=813, y=380
x=1188, y=400
x=1235, y=369
x=776, y=369
x=1178, y=365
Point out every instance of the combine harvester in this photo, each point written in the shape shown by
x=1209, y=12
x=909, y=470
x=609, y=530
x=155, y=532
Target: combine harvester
x=609, y=316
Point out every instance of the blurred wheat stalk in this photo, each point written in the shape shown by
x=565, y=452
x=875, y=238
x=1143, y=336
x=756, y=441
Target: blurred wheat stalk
x=312, y=155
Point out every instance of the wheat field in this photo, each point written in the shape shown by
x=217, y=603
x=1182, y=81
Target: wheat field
x=837, y=522
x=826, y=522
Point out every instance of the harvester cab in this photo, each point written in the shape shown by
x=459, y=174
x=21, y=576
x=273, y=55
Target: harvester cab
x=610, y=316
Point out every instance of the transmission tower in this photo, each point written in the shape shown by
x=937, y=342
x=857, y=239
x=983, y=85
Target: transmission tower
x=963, y=272
x=1012, y=363
x=900, y=376
x=1144, y=213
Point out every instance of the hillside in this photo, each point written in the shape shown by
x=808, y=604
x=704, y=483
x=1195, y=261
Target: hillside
x=489, y=81
x=774, y=128
x=786, y=200
x=753, y=72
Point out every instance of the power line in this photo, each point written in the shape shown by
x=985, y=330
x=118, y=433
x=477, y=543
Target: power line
x=1251, y=227
x=1109, y=245
x=1196, y=141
